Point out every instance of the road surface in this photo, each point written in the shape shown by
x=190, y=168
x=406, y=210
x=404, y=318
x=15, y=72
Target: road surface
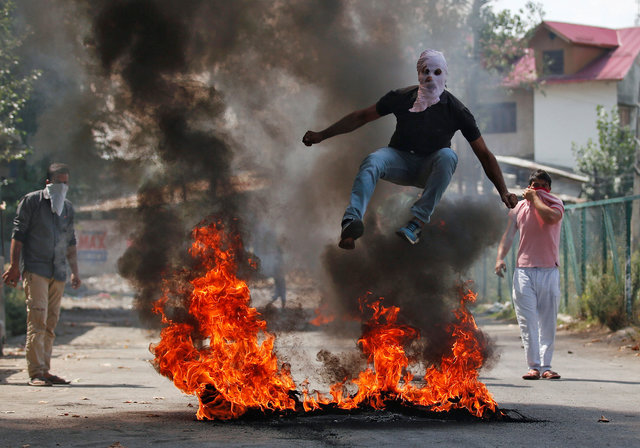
x=117, y=399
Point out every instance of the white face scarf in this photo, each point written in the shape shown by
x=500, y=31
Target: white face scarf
x=432, y=75
x=57, y=194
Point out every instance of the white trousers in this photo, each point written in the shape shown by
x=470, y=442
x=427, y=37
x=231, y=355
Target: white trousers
x=536, y=295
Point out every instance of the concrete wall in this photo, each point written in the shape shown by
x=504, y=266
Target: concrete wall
x=565, y=114
x=519, y=143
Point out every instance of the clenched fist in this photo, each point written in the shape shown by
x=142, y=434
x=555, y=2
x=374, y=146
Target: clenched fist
x=311, y=138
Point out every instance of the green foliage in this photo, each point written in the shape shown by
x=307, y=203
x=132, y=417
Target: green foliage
x=507, y=314
x=604, y=298
x=15, y=85
x=503, y=37
x=16, y=311
x=30, y=178
x=609, y=162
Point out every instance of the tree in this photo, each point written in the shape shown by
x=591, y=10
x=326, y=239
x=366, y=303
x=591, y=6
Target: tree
x=609, y=162
x=15, y=85
x=494, y=42
x=503, y=36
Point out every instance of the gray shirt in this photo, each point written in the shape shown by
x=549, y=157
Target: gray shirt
x=44, y=235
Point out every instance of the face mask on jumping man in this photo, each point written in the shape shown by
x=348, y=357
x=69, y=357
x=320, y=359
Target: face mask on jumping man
x=57, y=194
x=432, y=75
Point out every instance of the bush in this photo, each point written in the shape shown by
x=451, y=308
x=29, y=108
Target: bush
x=16, y=311
x=603, y=300
x=507, y=314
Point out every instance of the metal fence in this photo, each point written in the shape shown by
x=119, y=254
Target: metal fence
x=595, y=237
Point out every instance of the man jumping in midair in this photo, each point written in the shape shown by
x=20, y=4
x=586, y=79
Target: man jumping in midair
x=419, y=153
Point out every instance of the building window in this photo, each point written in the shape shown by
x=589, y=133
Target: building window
x=497, y=118
x=553, y=62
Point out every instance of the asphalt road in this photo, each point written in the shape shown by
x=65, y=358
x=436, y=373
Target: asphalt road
x=117, y=399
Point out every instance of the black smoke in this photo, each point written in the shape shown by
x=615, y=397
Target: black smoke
x=198, y=92
x=147, y=45
x=425, y=281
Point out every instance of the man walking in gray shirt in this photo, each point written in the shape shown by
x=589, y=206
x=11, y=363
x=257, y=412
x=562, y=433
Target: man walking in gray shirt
x=44, y=235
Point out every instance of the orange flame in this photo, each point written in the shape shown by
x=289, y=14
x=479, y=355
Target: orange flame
x=455, y=383
x=235, y=372
x=322, y=318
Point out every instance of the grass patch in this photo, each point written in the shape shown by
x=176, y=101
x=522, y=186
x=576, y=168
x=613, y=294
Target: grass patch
x=507, y=314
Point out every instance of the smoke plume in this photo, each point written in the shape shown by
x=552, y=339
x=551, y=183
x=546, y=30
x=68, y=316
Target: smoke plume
x=425, y=280
x=209, y=99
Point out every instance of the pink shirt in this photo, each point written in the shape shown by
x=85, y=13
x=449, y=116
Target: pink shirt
x=539, y=241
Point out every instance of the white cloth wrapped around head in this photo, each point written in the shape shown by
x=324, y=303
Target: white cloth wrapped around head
x=432, y=75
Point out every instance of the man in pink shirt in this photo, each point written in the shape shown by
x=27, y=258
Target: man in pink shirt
x=536, y=278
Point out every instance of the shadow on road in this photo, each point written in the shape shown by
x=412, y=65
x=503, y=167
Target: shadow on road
x=180, y=429
x=76, y=386
x=586, y=380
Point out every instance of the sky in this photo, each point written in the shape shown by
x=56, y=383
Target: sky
x=604, y=13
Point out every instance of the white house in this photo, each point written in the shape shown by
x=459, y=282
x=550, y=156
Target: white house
x=576, y=68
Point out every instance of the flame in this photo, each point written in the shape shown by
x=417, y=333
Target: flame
x=234, y=371
x=455, y=383
x=322, y=316
x=218, y=355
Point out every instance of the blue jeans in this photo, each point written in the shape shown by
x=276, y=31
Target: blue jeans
x=432, y=173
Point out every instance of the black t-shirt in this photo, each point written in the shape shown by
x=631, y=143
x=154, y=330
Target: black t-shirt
x=432, y=129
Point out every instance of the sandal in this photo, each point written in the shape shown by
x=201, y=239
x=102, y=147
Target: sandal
x=550, y=375
x=39, y=381
x=533, y=374
x=54, y=379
